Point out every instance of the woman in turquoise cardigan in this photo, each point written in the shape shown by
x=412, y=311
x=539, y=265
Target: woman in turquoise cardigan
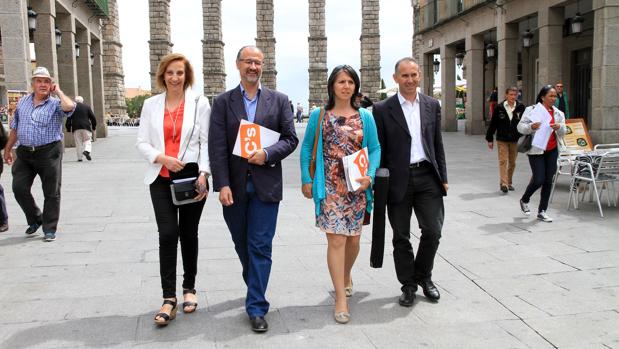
x=343, y=129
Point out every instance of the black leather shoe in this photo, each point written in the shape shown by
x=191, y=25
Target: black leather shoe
x=259, y=324
x=33, y=228
x=407, y=298
x=429, y=290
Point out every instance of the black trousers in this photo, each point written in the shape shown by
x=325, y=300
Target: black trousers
x=174, y=222
x=544, y=167
x=423, y=195
x=46, y=162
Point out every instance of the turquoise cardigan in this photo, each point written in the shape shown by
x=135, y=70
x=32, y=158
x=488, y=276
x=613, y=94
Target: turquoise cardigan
x=370, y=140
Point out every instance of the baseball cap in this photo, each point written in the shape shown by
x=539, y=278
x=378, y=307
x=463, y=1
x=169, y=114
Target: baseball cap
x=41, y=72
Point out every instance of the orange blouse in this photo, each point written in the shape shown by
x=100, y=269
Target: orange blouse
x=172, y=134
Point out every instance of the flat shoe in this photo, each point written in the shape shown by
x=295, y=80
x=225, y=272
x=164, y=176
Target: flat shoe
x=341, y=317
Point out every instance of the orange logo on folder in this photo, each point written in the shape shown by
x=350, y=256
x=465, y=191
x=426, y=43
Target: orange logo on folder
x=250, y=139
x=362, y=162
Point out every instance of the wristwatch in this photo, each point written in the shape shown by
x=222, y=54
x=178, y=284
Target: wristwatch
x=205, y=174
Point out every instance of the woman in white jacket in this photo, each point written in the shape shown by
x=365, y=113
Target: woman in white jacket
x=168, y=139
x=542, y=117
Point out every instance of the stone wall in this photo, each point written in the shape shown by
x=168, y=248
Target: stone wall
x=160, y=45
x=370, y=48
x=213, y=49
x=113, y=74
x=265, y=40
x=317, y=54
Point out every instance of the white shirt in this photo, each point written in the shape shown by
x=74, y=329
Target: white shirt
x=509, y=109
x=413, y=120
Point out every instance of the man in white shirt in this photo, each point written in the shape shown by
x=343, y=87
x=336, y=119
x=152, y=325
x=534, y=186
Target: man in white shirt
x=409, y=132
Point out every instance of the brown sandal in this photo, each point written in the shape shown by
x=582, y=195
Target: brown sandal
x=162, y=319
x=191, y=305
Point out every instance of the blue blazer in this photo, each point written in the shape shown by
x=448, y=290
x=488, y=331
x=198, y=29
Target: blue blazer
x=273, y=112
x=370, y=140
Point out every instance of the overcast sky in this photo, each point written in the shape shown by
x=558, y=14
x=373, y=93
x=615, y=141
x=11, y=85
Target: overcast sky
x=343, y=28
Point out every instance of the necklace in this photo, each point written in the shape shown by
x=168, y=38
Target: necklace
x=178, y=108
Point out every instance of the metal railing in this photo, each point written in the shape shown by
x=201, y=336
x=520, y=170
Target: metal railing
x=432, y=12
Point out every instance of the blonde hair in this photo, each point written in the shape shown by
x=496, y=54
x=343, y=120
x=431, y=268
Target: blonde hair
x=166, y=61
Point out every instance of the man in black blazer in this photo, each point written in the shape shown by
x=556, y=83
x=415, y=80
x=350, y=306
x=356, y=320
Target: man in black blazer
x=83, y=123
x=409, y=130
x=250, y=189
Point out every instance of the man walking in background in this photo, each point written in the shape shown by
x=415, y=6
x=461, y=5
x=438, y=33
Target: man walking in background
x=82, y=123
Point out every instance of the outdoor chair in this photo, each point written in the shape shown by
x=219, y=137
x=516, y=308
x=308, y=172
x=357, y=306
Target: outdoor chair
x=565, y=162
x=600, y=172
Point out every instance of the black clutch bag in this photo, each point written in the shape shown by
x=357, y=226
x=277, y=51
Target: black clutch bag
x=183, y=185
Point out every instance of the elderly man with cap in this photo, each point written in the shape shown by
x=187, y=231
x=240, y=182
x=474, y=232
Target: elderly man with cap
x=37, y=126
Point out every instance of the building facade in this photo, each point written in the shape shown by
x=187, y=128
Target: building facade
x=527, y=43
x=66, y=37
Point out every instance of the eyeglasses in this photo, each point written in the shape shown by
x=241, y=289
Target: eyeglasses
x=251, y=61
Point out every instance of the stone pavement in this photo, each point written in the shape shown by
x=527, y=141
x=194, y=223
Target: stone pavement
x=506, y=281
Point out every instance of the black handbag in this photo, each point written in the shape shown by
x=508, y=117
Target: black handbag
x=184, y=182
x=525, y=143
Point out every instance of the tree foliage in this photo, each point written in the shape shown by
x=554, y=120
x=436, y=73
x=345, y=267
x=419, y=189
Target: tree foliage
x=134, y=105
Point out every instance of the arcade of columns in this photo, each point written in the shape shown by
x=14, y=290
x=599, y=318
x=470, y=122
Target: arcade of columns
x=213, y=46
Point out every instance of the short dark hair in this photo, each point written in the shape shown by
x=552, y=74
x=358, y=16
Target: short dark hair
x=238, y=55
x=543, y=92
x=511, y=88
x=405, y=59
x=355, y=78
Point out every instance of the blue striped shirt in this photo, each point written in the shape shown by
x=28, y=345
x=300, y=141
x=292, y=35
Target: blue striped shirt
x=38, y=125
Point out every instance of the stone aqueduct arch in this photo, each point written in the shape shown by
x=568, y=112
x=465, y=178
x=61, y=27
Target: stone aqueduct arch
x=213, y=46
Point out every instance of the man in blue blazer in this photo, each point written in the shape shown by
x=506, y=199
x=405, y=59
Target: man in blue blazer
x=409, y=131
x=250, y=189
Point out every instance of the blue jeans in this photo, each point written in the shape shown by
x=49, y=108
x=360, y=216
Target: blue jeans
x=252, y=225
x=543, y=167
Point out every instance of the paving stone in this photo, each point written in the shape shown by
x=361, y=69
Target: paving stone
x=506, y=281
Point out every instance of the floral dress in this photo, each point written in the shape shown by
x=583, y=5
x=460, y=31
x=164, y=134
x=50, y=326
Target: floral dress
x=341, y=212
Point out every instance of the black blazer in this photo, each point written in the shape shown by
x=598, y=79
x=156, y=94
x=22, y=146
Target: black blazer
x=273, y=112
x=82, y=118
x=395, y=142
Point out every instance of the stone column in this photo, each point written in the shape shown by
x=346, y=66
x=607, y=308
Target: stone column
x=98, y=95
x=266, y=41
x=159, y=43
x=113, y=74
x=84, y=74
x=370, y=48
x=317, y=54
x=474, y=61
x=45, y=35
x=427, y=74
x=605, y=73
x=67, y=67
x=15, y=50
x=213, y=65
x=448, y=87
x=550, y=24
x=508, y=41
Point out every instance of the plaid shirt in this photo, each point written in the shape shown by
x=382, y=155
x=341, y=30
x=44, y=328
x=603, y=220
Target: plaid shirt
x=38, y=125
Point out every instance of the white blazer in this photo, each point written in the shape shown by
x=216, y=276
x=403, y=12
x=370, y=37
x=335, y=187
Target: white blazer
x=150, y=142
